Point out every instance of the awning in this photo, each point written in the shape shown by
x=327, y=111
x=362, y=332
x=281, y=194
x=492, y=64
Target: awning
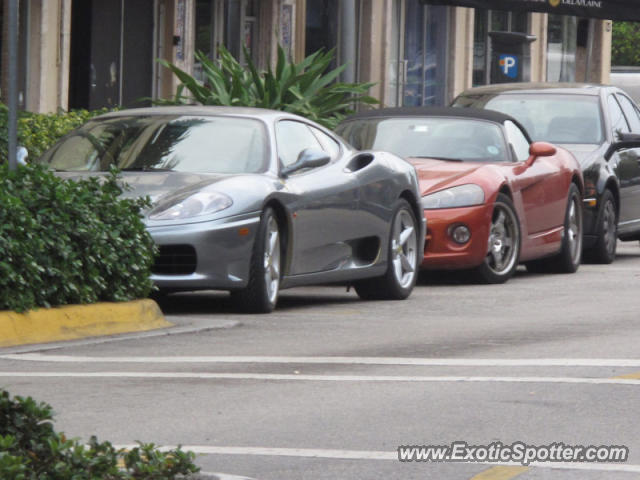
x=605, y=9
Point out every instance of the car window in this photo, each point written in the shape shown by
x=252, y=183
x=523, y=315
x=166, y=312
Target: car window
x=292, y=138
x=618, y=122
x=517, y=140
x=555, y=118
x=445, y=138
x=631, y=112
x=329, y=145
x=181, y=143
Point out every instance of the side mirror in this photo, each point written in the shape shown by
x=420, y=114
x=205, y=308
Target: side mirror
x=540, y=149
x=308, y=158
x=625, y=140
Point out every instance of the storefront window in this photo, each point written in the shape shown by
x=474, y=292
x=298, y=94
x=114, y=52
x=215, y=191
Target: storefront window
x=418, y=53
x=492, y=21
x=562, y=37
x=335, y=24
x=425, y=46
x=231, y=23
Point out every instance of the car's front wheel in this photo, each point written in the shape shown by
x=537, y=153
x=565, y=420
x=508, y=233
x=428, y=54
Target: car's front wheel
x=403, y=259
x=503, y=250
x=604, y=250
x=261, y=293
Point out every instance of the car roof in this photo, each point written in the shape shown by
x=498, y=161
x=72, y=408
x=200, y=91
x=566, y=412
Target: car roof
x=537, y=87
x=473, y=113
x=204, y=110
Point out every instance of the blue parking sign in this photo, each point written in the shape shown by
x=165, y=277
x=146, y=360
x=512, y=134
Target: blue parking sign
x=509, y=65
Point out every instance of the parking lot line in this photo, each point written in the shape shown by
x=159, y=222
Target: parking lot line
x=500, y=473
x=322, y=378
x=436, y=362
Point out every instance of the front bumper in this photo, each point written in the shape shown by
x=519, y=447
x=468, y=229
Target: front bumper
x=223, y=250
x=442, y=252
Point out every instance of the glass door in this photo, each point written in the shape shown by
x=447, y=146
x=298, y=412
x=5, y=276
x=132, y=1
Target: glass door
x=418, y=54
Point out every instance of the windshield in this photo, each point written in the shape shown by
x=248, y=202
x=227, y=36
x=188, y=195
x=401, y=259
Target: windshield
x=568, y=119
x=163, y=142
x=462, y=139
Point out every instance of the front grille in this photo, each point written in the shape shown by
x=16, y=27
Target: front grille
x=175, y=260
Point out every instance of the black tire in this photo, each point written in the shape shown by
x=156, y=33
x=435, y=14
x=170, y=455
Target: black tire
x=504, y=242
x=258, y=296
x=604, y=251
x=568, y=260
x=403, y=259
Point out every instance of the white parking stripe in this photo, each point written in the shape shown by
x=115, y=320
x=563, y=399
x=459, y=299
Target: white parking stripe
x=436, y=362
x=377, y=455
x=319, y=378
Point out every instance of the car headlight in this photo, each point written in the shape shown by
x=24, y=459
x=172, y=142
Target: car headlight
x=462, y=196
x=201, y=203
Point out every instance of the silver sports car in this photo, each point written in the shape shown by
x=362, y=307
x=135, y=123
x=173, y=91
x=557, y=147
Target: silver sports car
x=253, y=201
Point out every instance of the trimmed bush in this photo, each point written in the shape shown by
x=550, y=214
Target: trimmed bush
x=30, y=449
x=67, y=242
x=308, y=88
x=37, y=131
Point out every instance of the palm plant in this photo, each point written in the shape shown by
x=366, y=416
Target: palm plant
x=308, y=88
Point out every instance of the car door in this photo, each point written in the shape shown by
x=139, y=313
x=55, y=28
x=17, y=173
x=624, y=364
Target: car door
x=323, y=202
x=626, y=164
x=540, y=186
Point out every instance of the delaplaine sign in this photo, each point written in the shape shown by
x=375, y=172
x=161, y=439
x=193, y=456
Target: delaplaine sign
x=605, y=9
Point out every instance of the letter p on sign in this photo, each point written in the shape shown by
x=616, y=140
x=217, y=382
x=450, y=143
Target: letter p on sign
x=509, y=65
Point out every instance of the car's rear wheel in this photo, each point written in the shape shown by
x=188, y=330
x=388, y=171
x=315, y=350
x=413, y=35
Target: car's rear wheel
x=403, y=258
x=261, y=293
x=604, y=250
x=568, y=260
x=503, y=250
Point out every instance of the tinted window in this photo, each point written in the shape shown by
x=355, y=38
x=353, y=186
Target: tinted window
x=618, y=122
x=631, y=112
x=293, y=138
x=553, y=118
x=432, y=137
x=163, y=142
x=517, y=140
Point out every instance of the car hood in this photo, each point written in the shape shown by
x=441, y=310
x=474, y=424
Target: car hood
x=583, y=153
x=435, y=175
x=157, y=185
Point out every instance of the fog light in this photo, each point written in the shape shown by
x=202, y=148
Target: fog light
x=461, y=234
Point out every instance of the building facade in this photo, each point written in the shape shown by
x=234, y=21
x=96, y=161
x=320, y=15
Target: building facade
x=103, y=53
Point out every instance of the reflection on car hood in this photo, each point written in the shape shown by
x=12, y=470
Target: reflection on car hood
x=435, y=175
x=157, y=185
x=583, y=153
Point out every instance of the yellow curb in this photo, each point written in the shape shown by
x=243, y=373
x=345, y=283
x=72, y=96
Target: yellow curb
x=500, y=473
x=72, y=322
x=630, y=376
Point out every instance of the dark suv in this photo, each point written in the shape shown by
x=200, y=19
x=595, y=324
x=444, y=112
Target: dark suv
x=600, y=125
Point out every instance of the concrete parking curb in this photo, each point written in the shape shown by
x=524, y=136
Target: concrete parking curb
x=73, y=322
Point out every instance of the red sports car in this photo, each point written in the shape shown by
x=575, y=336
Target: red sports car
x=491, y=197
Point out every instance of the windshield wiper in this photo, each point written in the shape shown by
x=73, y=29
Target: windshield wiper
x=445, y=159
x=145, y=169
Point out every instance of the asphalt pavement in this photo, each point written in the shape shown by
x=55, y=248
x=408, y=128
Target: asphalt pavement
x=328, y=386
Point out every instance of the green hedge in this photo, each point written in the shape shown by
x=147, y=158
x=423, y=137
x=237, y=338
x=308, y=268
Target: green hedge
x=66, y=242
x=38, y=131
x=30, y=449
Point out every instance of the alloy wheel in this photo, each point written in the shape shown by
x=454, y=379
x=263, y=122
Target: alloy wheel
x=574, y=232
x=404, y=245
x=503, y=241
x=272, y=260
x=609, y=226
